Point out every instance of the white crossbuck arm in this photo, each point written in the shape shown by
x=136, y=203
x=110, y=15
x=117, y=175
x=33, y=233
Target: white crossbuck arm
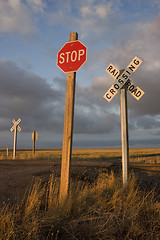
x=16, y=125
x=122, y=79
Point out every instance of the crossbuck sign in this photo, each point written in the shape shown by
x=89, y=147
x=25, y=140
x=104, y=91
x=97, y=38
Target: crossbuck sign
x=123, y=83
x=122, y=79
x=15, y=127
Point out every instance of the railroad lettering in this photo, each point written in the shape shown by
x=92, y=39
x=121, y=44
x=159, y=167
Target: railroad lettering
x=131, y=67
x=128, y=83
x=136, y=62
x=120, y=81
x=124, y=76
x=112, y=91
x=116, y=86
x=128, y=72
x=131, y=88
x=138, y=94
x=108, y=96
x=134, y=91
x=116, y=73
x=113, y=72
x=109, y=68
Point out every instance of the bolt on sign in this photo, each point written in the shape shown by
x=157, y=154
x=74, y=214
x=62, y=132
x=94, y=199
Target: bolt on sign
x=15, y=127
x=7, y=149
x=69, y=59
x=122, y=84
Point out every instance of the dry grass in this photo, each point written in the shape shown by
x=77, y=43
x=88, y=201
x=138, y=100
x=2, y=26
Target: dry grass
x=101, y=210
x=28, y=154
x=136, y=155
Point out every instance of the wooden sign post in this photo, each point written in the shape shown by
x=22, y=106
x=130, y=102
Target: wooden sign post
x=123, y=83
x=70, y=58
x=15, y=127
x=68, y=130
x=34, y=138
x=7, y=149
x=124, y=134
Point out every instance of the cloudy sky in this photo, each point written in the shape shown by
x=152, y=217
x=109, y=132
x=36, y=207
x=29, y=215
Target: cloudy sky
x=33, y=87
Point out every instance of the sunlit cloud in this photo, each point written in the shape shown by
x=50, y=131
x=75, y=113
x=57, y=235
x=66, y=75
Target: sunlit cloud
x=15, y=17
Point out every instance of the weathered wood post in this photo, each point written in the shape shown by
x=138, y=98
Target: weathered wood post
x=7, y=149
x=124, y=134
x=69, y=59
x=15, y=142
x=68, y=129
x=15, y=127
x=34, y=138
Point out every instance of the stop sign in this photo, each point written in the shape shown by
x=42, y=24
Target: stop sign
x=72, y=56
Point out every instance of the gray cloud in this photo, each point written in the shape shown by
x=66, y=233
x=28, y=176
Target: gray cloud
x=145, y=122
x=25, y=95
x=15, y=17
x=143, y=42
x=40, y=105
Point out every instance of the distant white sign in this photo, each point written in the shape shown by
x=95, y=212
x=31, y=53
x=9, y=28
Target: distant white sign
x=15, y=124
x=15, y=127
x=34, y=135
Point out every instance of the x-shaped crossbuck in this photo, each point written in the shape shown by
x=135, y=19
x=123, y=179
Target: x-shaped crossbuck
x=15, y=125
x=122, y=78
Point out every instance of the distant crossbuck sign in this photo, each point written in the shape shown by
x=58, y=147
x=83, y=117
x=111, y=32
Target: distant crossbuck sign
x=15, y=125
x=122, y=79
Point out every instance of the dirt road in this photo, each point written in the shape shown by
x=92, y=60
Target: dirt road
x=16, y=176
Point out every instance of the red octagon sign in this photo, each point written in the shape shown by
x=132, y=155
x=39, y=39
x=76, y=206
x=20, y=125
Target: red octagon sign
x=72, y=56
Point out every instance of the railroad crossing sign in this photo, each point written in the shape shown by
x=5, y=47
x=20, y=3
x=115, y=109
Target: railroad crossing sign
x=72, y=56
x=15, y=127
x=122, y=79
x=123, y=83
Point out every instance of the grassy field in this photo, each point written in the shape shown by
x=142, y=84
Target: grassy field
x=101, y=210
x=98, y=206
x=135, y=155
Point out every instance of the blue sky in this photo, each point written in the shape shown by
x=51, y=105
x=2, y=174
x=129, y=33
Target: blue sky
x=33, y=87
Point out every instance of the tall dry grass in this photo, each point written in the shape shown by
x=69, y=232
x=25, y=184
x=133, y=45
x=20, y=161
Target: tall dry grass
x=83, y=154
x=100, y=210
